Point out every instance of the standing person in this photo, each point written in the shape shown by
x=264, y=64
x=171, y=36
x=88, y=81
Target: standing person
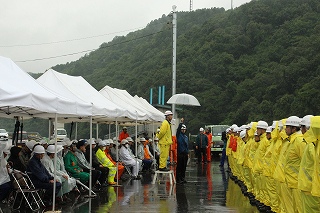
x=165, y=140
x=224, y=139
x=5, y=182
x=209, y=135
x=201, y=146
x=183, y=152
x=124, y=134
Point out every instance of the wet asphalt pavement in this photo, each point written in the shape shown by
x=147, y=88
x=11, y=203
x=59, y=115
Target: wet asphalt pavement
x=208, y=189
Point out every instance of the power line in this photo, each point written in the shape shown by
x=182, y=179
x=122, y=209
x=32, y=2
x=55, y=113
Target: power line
x=69, y=40
x=69, y=54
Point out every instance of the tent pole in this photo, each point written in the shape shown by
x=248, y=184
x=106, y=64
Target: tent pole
x=55, y=163
x=97, y=130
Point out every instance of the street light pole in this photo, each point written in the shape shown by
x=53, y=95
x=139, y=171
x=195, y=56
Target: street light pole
x=174, y=53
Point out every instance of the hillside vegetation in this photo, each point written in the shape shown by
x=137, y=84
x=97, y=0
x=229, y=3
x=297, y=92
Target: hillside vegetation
x=258, y=61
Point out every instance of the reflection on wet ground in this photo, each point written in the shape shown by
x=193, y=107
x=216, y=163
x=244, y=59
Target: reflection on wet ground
x=209, y=189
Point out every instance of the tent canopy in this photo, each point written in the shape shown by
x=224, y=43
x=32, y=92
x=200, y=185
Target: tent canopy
x=22, y=95
x=77, y=88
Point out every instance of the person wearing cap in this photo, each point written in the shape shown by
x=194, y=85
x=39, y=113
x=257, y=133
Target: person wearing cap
x=107, y=151
x=310, y=195
x=131, y=149
x=48, y=163
x=26, y=152
x=105, y=161
x=124, y=134
x=201, y=146
x=292, y=163
x=209, y=135
x=5, y=182
x=258, y=163
x=183, y=152
x=40, y=176
x=14, y=159
x=127, y=159
x=144, y=154
x=95, y=162
x=156, y=150
x=84, y=164
x=71, y=165
x=165, y=140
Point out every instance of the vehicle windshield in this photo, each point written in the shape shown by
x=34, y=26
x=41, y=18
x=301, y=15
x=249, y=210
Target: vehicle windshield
x=3, y=131
x=61, y=132
x=217, y=130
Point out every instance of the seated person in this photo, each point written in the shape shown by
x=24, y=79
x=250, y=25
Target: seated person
x=5, y=182
x=107, y=151
x=95, y=162
x=71, y=165
x=105, y=161
x=131, y=152
x=127, y=159
x=144, y=154
x=14, y=160
x=40, y=176
x=84, y=164
x=156, y=149
x=68, y=183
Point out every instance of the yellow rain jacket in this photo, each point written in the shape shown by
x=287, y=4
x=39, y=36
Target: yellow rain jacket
x=315, y=122
x=293, y=159
x=165, y=134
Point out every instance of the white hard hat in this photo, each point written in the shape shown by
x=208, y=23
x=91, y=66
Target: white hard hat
x=156, y=139
x=141, y=139
x=293, y=121
x=306, y=121
x=168, y=112
x=91, y=141
x=201, y=129
x=115, y=139
x=183, y=126
x=30, y=144
x=274, y=123
x=39, y=149
x=244, y=127
x=50, y=148
x=262, y=125
x=233, y=126
x=43, y=141
x=124, y=127
x=129, y=139
x=124, y=141
x=237, y=129
x=103, y=143
x=269, y=129
x=243, y=133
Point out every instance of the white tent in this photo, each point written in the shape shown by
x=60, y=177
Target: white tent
x=157, y=115
x=77, y=88
x=115, y=95
x=21, y=95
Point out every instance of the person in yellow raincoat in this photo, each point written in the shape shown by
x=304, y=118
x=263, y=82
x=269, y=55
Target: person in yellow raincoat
x=292, y=164
x=247, y=163
x=165, y=140
x=105, y=161
x=258, y=164
x=315, y=190
x=278, y=174
x=271, y=159
x=309, y=130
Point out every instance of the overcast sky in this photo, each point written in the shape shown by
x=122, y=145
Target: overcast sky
x=37, y=29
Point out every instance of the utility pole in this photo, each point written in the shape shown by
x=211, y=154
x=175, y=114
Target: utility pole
x=231, y=4
x=174, y=53
x=191, y=5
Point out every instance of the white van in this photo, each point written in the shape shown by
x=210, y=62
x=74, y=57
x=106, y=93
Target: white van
x=61, y=134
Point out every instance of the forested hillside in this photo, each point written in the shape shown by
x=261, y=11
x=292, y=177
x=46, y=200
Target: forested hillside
x=258, y=61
